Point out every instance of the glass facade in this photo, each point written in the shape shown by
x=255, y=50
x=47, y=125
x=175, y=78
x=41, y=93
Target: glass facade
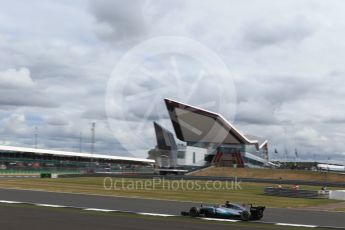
x=238, y=155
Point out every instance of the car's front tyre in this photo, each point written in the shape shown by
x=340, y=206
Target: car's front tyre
x=194, y=212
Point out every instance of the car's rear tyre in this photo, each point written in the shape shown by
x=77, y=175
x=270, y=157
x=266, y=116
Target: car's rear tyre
x=257, y=215
x=194, y=212
x=245, y=216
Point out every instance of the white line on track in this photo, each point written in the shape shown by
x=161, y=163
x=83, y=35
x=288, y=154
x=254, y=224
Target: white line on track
x=99, y=210
x=136, y=197
x=297, y=225
x=9, y=202
x=85, y=209
x=51, y=205
x=152, y=214
x=222, y=220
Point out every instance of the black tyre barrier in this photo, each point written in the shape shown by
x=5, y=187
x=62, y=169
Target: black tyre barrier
x=295, y=193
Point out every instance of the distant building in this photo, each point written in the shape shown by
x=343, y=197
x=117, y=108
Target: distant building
x=218, y=141
x=168, y=154
x=20, y=158
x=166, y=151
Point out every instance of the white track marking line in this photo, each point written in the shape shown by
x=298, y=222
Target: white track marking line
x=99, y=210
x=51, y=205
x=222, y=220
x=154, y=214
x=10, y=202
x=297, y=225
x=150, y=214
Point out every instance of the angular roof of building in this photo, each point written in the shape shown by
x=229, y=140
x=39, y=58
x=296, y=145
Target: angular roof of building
x=165, y=139
x=196, y=125
x=261, y=142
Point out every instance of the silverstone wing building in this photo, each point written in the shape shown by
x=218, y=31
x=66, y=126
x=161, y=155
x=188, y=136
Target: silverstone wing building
x=225, y=145
x=208, y=139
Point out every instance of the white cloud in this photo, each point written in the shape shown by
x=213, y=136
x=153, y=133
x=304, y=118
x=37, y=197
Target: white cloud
x=310, y=135
x=287, y=60
x=18, y=79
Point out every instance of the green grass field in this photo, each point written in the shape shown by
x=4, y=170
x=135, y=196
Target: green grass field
x=147, y=188
x=283, y=174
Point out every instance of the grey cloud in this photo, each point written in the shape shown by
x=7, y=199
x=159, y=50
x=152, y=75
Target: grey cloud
x=119, y=20
x=288, y=65
x=26, y=98
x=134, y=112
x=264, y=33
x=56, y=121
x=95, y=114
x=18, y=89
x=335, y=120
x=255, y=112
x=275, y=89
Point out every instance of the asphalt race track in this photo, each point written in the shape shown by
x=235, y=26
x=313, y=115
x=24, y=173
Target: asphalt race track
x=36, y=218
x=302, y=217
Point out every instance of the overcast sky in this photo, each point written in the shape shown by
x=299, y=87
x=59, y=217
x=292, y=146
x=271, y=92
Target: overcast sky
x=286, y=60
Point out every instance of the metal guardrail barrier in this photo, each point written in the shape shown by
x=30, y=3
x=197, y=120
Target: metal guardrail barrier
x=24, y=172
x=296, y=193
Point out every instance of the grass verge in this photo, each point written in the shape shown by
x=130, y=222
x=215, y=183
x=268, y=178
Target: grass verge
x=271, y=174
x=146, y=188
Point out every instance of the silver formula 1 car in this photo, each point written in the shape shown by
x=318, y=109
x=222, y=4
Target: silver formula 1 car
x=228, y=211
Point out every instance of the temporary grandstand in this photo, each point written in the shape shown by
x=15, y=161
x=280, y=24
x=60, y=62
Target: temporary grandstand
x=32, y=159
